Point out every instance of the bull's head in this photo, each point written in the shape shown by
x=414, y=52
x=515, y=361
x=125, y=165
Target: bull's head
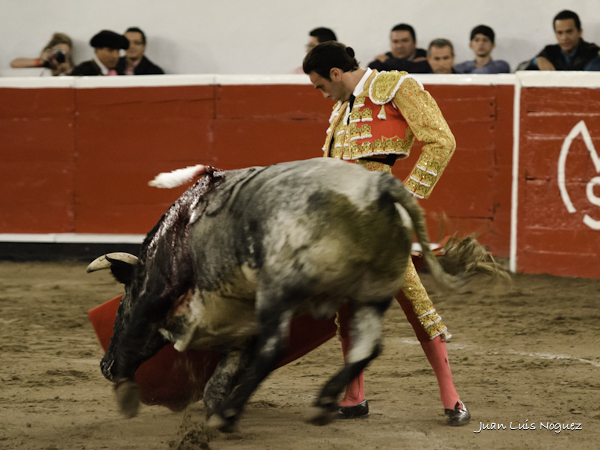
x=122, y=266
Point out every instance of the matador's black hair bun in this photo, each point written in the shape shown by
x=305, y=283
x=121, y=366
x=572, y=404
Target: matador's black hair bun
x=350, y=51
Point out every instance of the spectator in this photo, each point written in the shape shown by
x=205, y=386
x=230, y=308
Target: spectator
x=316, y=37
x=106, y=54
x=55, y=56
x=440, y=56
x=403, y=42
x=482, y=44
x=571, y=52
x=135, y=62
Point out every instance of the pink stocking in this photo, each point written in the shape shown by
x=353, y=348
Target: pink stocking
x=355, y=391
x=437, y=355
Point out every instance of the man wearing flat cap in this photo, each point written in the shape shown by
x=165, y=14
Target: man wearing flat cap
x=107, y=45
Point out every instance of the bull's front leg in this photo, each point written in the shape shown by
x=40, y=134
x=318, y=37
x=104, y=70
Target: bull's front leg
x=140, y=342
x=274, y=323
x=224, y=378
x=365, y=329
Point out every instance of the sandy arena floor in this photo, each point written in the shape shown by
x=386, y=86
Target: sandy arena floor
x=527, y=358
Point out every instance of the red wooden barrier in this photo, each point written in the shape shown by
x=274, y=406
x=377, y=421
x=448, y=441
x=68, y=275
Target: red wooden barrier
x=78, y=160
x=37, y=167
x=553, y=237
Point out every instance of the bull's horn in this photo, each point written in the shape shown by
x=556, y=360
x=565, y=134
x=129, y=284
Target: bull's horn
x=103, y=263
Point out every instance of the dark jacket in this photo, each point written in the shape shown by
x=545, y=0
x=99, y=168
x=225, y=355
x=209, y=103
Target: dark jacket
x=145, y=67
x=401, y=64
x=87, y=68
x=419, y=53
x=586, y=51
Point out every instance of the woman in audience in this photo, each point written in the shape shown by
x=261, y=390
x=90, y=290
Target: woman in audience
x=55, y=56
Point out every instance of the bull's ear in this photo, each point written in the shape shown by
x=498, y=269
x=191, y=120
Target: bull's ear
x=121, y=270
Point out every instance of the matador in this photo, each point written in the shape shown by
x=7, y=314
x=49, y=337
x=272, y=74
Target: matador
x=375, y=121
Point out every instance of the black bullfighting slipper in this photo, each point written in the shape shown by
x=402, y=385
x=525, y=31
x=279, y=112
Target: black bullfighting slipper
x=458, y=417
x=360, y=411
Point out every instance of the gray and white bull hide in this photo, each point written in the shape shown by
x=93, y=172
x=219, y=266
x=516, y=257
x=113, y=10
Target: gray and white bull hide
x=241, y=252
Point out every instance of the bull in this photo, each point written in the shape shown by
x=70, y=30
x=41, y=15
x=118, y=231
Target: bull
x=242, y=252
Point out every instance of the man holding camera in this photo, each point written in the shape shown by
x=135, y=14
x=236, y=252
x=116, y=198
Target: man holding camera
x=107, y=45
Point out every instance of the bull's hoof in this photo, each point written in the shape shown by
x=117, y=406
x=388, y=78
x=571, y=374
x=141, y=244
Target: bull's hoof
x=128, y=397
x=218, y=422
x=320, y=416
x=105, y=368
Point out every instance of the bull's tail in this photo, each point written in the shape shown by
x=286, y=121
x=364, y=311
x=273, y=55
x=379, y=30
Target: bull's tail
x=393, y=188
x=168, y=180
x=467, y=258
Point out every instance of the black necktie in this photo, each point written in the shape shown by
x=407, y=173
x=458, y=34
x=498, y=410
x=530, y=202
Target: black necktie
x=351, y=104
x=351, y=101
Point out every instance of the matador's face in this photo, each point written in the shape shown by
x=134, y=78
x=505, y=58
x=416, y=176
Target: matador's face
x=333, y=89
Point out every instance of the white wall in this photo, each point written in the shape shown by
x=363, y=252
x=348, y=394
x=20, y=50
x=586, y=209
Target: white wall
x=269, y=36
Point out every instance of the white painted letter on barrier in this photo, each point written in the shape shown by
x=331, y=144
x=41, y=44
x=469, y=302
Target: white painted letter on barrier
x=580, y=128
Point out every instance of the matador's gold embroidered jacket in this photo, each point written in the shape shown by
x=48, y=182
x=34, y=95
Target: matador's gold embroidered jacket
x=392, y=110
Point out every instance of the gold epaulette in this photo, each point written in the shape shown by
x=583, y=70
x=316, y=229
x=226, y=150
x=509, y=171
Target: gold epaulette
x=385, y=85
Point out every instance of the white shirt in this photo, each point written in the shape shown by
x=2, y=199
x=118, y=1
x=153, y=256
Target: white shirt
x=103, y=68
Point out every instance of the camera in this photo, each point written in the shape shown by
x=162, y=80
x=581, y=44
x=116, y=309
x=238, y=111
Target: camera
x=59, y=56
